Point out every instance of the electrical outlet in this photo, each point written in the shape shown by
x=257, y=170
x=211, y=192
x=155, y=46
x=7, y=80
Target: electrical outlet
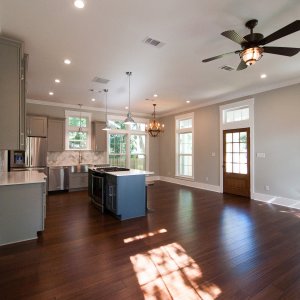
x=213, y=154
x=267, y=188
x=206, y=178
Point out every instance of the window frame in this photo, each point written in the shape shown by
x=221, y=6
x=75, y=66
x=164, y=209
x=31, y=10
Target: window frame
x=74, y=113
x=128, y=132
x=178, y=131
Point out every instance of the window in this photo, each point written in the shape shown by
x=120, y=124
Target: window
x=78, y=129
x=236, y=114
x=184, y=145
x=128, y=144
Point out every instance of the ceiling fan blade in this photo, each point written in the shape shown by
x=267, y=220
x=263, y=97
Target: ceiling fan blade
x=289, y=29
x=282, y=50
x=241, y=66
x=234, y=36
x=219, y=56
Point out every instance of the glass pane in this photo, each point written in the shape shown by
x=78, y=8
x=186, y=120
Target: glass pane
x=243, y=137
x=185, y=165
x=229, y=147
x=237, y=115
x=117, y=160
x=138, y=161
x=236, y=147
x=228, y=157
x=115, y=124
x=77, y=136
x=243, y=169
x=117, y=143
x=236, y=137
x=236, y=158
x=138, y=126
x=185, y=123
x=77, y=145
x=243, y=147
x=75, y=121
x=243, y=158
x=228, y=137
x=137, y=144
x=228, y=168
x=229, y=116
x=245, y=113
x=236, y=168
x=185, y=143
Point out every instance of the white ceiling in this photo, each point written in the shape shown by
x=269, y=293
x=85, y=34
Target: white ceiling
x=105, y=39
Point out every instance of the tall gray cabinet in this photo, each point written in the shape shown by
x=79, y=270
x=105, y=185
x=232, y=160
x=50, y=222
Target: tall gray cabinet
x=12, y=94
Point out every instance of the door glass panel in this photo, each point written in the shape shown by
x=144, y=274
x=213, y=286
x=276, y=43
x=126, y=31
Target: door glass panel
x=243, y=147
x=228, y=157
x=236, y=147
x=229, y=147
x=236, y=137
x=236, y=157
x=243, y=158
x=228, y=137
x=243, y=137
x=243, y=169
x=236, y=168
x=228, y=167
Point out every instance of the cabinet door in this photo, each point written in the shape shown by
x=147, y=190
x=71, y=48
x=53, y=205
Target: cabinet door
x=10, y=93
x=56, y=135
x=99, y=137
x=36, y=126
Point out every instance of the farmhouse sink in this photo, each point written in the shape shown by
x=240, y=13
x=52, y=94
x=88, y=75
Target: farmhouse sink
x=80, y=168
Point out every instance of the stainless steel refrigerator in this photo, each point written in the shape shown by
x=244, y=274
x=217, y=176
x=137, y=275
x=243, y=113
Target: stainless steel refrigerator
x=36, y=152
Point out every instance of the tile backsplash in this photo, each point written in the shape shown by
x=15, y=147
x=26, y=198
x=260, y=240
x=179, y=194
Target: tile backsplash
x=69, y=158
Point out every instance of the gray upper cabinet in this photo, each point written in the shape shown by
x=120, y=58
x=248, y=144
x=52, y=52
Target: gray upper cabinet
x=36, y=126
x=12, y=94
x=56, y=135
x=99, y=137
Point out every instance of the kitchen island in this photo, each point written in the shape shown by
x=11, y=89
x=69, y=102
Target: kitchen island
x=121, y=192
x=22, y=205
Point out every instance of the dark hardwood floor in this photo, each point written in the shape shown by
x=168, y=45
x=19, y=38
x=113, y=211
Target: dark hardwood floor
x=195, y=244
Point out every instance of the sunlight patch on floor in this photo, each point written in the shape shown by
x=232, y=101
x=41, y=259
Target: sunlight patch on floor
x=144, y=235
x=168, y=272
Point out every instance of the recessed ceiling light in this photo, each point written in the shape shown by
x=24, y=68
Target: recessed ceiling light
x=155, y=95
x=263, y=76
x=67, y=61
x=126, y=107
x=93, y=99
x=79, y=3
x=57, y=80
x=187, y=101
x=51, y=93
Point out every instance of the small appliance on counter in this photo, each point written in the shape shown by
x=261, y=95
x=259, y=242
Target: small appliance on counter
x=16, y=159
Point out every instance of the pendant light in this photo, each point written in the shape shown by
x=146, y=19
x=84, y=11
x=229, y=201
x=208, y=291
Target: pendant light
x=129, y=119
x=154, y=128
x=107, y=127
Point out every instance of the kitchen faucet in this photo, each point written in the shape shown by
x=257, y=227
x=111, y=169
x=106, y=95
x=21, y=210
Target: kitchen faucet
x=79, y=157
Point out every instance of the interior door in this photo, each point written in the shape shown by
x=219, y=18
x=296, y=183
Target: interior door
x=236, y=161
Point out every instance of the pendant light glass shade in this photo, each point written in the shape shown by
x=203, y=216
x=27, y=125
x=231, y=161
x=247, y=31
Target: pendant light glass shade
x=129, y=119
x=107, y=127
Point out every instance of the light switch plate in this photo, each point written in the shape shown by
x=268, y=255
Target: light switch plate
x=261, y=155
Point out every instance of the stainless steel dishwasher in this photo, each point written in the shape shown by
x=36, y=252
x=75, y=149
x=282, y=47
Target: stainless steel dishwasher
x=58, y=179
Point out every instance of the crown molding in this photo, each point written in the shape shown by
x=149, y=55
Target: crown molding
x=75, y=106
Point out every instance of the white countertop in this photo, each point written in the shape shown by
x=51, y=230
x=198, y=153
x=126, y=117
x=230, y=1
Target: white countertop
x=24, y=177
x=130, y=173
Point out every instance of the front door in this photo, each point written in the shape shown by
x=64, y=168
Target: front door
x=236, y=161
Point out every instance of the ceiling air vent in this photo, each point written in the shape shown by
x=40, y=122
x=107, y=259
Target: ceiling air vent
x=100, y=80
x=227, y=68
x=153, y=42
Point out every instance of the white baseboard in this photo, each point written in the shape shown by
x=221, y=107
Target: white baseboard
x=194, y=184
x=282, y=201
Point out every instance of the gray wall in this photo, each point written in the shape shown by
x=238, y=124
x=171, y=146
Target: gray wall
x=277, y=133
x=59, y=112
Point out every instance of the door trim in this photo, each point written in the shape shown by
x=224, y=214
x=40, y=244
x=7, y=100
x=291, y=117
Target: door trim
x=237, y=125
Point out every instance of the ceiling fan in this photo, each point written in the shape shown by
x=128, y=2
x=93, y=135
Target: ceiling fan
x=253, y=44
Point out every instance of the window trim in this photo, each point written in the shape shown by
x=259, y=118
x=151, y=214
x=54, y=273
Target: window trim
x=177, y=132
x=128, y=134
x=88, y=129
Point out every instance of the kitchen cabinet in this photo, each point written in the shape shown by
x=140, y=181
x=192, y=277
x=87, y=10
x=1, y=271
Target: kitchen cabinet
x=125, y=196
x=78, y=181
x=56, y=135
x=99, y=137
x=36, y=126
x=12, y=94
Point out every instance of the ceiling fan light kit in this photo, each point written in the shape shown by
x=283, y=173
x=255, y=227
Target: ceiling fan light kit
x=253, y=44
